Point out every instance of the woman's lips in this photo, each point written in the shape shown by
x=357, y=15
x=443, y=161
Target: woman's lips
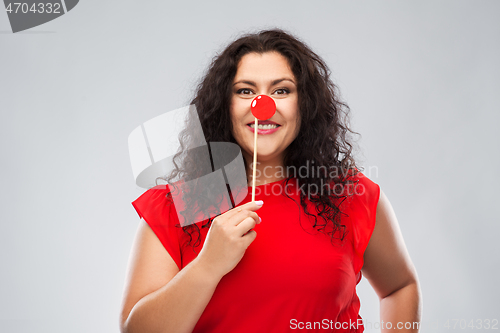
x=263, y=131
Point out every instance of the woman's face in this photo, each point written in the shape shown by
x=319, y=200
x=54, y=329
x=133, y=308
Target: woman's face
x=265, y=74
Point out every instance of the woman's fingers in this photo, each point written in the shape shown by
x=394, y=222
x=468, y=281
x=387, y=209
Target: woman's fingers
x=237, y=214
x=244, y=226
x=249, y=206
x=249, y=237
x=240, y=216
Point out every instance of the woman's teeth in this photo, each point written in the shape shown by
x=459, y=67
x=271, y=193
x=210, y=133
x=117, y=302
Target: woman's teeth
x=264, y=127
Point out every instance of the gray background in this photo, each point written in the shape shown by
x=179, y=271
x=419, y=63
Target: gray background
x=421, y=78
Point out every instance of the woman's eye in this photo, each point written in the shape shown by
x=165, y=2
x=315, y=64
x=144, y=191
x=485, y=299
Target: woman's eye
x=244, y=91
x=282, y=91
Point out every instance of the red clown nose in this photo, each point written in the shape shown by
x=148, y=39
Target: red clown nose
x=263, y=107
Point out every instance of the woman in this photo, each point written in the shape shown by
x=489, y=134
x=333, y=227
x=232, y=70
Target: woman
x=291, y=259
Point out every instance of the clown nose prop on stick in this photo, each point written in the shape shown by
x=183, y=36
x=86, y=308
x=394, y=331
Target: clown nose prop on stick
x=263, y=108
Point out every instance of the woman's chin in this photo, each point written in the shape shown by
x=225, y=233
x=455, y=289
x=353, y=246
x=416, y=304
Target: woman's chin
x=264, y=155
x=264, y=158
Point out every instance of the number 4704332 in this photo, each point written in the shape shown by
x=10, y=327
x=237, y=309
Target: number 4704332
x=41, y=7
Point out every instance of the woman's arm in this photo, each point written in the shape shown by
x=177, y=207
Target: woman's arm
x=160, y=298
x=390, y=271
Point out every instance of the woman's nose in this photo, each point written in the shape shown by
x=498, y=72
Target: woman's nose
x=263, y=107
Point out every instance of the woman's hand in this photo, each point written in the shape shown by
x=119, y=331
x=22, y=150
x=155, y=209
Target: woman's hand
x=228, y=238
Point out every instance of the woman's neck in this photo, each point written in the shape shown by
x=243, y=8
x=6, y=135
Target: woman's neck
x=266, y=172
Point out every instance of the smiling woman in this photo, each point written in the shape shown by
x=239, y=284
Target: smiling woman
x=292, y=258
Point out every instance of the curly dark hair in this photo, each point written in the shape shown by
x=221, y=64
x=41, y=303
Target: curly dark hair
x=324, y=138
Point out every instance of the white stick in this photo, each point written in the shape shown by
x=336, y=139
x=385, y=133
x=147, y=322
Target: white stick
x=254, y=158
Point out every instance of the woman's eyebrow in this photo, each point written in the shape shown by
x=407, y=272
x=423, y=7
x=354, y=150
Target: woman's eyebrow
x=272, y=83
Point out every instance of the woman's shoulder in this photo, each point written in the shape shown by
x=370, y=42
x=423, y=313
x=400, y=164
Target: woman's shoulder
x=358, y=192
x=154, y=204
x=158, y=194
x=155, y=207
x=364, y=185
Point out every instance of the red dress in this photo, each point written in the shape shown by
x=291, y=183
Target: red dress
x=291, y=277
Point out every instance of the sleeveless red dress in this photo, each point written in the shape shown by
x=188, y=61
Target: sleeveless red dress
x=291, y=277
